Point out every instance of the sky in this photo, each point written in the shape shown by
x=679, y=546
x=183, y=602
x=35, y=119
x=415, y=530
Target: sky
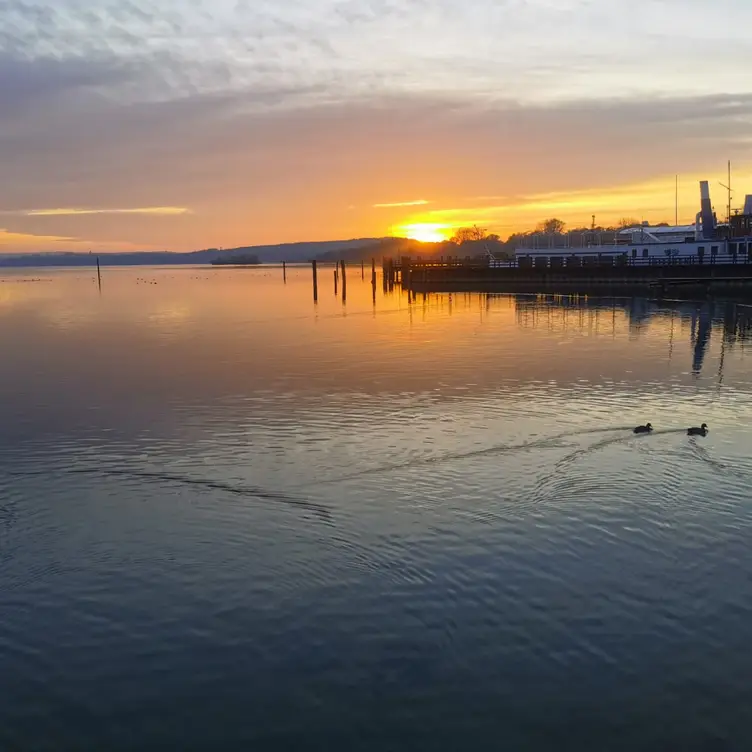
x=185, y=124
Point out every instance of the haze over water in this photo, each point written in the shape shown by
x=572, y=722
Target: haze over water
x=231, y=519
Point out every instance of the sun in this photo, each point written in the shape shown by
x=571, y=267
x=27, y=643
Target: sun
x=425, y=232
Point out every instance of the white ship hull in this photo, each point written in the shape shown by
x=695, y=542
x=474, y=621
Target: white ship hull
x=706, y=251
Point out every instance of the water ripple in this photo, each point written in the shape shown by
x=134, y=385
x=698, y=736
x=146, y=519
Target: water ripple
x=550, y=442
x=500, y=556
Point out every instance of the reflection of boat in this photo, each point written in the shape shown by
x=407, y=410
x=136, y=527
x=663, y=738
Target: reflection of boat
x=704, y=242
x=703, y=338
x=553, y=312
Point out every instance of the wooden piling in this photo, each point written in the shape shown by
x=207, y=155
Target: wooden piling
x=284, y=272
x=335, y=279
x=344, y=282
x=315, y=282
x=362, y=269
x=99, y=274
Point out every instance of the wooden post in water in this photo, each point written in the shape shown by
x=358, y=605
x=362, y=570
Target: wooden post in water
x=344, y=282
x=335, y=279
x=284, y=272
x=99, y=274
x=362, y=269
x=315, y=282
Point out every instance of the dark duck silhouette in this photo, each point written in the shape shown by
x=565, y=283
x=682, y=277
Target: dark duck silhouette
x=695, y=431
x=647, y=428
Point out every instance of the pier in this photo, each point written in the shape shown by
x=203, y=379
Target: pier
x=628, y=279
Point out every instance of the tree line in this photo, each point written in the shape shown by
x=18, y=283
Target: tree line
x=553, y=226
x=476, y=241
x=477, y=238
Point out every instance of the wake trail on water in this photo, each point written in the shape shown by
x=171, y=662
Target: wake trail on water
x=704, y=455
x=598, y=445
x=549, y=442
x=552, y=481
x=239, y=490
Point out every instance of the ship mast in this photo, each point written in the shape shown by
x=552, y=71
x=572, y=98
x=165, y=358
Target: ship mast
x=728, y=188
x=728, y=219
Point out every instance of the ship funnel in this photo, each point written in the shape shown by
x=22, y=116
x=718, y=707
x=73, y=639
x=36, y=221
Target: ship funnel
x=706, y=210
x=748, y=204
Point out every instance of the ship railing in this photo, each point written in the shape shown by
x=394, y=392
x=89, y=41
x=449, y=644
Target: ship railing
x=558, y=261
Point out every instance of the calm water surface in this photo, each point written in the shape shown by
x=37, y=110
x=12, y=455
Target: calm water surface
x=232, y=520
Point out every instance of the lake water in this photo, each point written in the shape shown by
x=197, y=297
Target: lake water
x=231, y=519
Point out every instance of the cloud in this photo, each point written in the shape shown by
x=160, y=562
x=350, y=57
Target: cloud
x=149, y=210
x=26, y=81
x=16, y=239
x=419, y=202
x=538, y=50
x=17, y=242
x=273, y=175
x=268, y=118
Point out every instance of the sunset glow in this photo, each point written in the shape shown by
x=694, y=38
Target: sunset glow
x=425, y=232
x=169, y=141
x=651, y=200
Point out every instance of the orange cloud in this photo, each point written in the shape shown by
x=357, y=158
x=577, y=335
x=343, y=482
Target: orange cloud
x=154, y=210
x=12, y=242
x=419, y=202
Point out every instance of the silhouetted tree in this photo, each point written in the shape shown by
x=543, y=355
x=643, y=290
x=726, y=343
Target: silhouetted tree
x=625, y=222
x=552, y=226
x=469, y=234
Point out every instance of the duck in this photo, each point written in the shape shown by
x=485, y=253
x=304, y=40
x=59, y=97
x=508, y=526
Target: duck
x=695, y=431
x=647, y=428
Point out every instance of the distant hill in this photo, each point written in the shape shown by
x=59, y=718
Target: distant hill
x=360, y=249
x=397, y=247
x=296, y=252
x=291, y=252
x=385, y=247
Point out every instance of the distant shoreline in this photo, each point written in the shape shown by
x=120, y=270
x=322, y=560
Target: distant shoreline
x=266, y=254
x=250, y=260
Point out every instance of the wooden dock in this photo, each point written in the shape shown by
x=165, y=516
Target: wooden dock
x=628, y=279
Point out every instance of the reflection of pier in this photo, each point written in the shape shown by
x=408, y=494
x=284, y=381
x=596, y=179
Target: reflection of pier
x=599, y=316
